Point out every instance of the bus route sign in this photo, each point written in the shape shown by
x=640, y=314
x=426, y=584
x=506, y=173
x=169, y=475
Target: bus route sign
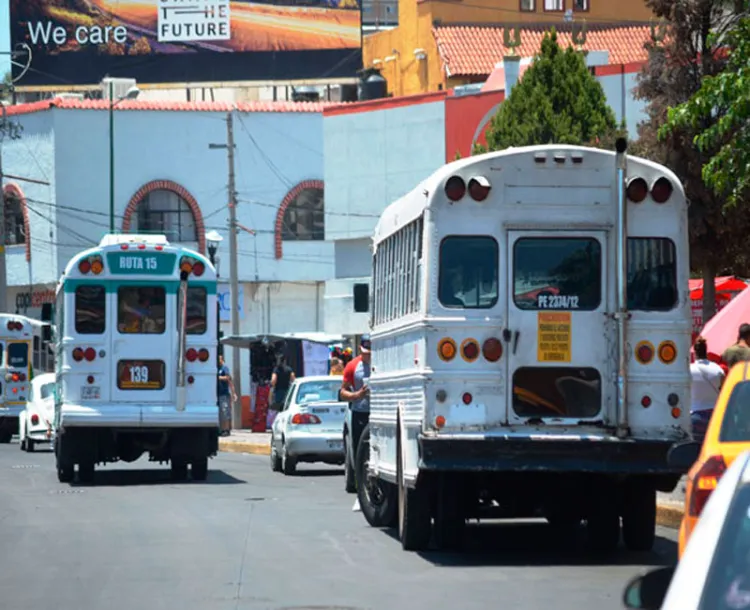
x=141, y=263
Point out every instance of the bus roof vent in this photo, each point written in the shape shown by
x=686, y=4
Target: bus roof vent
x=128, y=238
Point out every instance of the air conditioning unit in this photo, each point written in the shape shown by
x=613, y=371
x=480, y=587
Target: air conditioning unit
x=120, y=87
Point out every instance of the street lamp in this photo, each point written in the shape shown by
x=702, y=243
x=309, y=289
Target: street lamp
x=131, y=94
x=213, y=239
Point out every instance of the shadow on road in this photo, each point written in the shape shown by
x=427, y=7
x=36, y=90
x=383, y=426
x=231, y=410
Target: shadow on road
x=319, y=473
x=124, y=478
x=537, y=544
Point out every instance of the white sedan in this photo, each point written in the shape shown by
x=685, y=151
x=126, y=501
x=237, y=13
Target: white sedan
x=35, y=423
x=310, y=425
x=714, y=571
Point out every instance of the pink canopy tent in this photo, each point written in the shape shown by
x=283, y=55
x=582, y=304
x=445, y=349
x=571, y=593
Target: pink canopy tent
x=721, y=331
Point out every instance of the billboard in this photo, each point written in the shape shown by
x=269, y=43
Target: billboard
x=160, y=41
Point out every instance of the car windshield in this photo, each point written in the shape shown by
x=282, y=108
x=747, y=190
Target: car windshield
x=47, y=391
x=728, y=581
x=312, y=391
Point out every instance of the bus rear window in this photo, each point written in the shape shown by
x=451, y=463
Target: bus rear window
x=557, y=273
x=468, y=272
x=18, y=355
x=652, y=274
x=196, y=310
x=91, y=304
x=141, y=310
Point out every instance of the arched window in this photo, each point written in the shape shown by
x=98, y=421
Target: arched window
x=164, y=207
x=304, y=217
x=15, y=231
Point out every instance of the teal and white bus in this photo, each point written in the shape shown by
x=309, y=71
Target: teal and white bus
x=136, y=349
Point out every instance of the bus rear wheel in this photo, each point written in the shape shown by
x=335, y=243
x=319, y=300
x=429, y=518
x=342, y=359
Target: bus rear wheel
x=6, y=436
x=199, y=469
x=376, y=497
x=179, y=469
x=65, y=473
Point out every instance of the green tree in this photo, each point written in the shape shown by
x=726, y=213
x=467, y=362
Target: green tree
x=719, y=113
x=558, y=101
x=682, y=53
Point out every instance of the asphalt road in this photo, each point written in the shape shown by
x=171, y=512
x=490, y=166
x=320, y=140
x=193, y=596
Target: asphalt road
x=250, y=539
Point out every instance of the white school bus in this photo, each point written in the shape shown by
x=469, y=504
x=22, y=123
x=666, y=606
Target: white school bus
x=530, y=329
x=24, y=352
x=136, y=349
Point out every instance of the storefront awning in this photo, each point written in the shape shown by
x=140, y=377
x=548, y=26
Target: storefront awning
x=246, y=341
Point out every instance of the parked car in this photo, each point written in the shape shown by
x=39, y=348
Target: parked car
x=727, y=435
x=35, y=421
x=310, y=425
x=714, y=571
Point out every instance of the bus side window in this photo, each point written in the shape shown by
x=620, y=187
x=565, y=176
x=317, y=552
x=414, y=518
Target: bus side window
x=90, y=309
x=652, y=274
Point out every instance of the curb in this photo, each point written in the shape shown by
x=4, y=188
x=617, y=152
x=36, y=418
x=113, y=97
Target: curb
x=244, y=447
x=669, y=515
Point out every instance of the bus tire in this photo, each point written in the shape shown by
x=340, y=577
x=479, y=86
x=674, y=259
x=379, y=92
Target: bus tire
x=6, y=436
x=65, y=473
x=639, y=517
x=603, y=525
x=450, y=516
x=414, y=519
x=179, y=469
x=86, y=472
x=376, y=497
x=350, y=483
x=199, y=469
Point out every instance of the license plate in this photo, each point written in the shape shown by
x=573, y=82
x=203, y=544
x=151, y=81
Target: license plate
x=336, y=444
x=321, y=410
x=140, y=374
x=90, y=392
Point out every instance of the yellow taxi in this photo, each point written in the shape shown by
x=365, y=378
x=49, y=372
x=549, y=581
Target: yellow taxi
x=727, y=436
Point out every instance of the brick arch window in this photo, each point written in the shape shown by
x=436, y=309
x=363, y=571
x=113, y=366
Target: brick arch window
x=163, y=206
x=17, y=230
x=301, y=215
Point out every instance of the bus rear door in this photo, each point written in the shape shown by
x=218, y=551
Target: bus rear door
x=143, y=346
x=562, y=344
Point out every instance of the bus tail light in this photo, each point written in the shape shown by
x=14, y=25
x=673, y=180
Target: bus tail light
x=186, y=266
x=492, y=350
x=84, y=266
x=440, y=421
x=467, y=398
x=455, y=188
x=644, y=352
x=191, y=379
x=198, y=268
x=667, y=352
x=637, y=190
x=302, y=419
x=479, y=188
x=21, y=376
x=191, y=355
x=676, y=412
x=661, y=190
x=15, y=326
x=646, y=402
x=90, y=354
x=90, y=379
x=97, y=266
x=447, y=349
x=78, y=354
x=705, y=482
x=470, y=350
x=203, y=355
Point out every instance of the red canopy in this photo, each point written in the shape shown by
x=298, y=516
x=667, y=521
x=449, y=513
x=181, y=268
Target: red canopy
x=721, y=331
x=726, y=283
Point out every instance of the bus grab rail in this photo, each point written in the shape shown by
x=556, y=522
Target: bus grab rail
x=182, y=341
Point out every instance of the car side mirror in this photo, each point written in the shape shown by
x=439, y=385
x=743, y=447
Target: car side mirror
x=647, y=591
x=361, y=298
x=683, y=455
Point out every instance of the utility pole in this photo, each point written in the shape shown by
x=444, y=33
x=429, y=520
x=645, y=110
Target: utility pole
x=234, y=283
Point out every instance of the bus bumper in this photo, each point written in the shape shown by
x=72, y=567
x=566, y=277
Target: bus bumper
x=138, y=416
x=604, y=455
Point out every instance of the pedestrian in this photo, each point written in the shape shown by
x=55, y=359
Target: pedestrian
x=355, y=389
x=740, y=351
x=227, y=395
x=337, y=367
x=281, y=379
x=708, y=378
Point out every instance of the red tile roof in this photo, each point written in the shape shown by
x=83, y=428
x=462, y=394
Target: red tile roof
x=473, y=50
x=75, y=104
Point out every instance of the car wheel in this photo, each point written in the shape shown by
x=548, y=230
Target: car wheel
x=179, y=469
x=275, y=457
x=288, y=463
x=29, y=445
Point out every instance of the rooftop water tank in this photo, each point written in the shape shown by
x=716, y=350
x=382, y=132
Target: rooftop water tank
x=372, y=87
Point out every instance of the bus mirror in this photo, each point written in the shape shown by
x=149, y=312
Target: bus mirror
x=361, y=298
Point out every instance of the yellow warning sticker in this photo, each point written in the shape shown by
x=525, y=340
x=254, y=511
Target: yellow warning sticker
x=554, y=336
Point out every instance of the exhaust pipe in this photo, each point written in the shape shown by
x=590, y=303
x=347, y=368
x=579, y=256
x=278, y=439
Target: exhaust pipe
x=621, y=314
x=181, y=341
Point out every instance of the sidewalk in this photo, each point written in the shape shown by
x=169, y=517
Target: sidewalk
x=671, y=506
x=245, y=441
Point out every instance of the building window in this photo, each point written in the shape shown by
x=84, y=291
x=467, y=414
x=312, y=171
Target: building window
x=554, y=5
x=580, y=5
x=304, y=217
x=14, y=221
x=163, y=211
x=528, y=5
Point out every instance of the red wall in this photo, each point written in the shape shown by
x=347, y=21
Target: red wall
x=466, y=119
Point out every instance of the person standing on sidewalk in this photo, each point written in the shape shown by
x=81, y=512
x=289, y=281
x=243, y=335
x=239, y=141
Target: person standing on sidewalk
x=281, y=380
x=227, y=395
x=740, y=351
